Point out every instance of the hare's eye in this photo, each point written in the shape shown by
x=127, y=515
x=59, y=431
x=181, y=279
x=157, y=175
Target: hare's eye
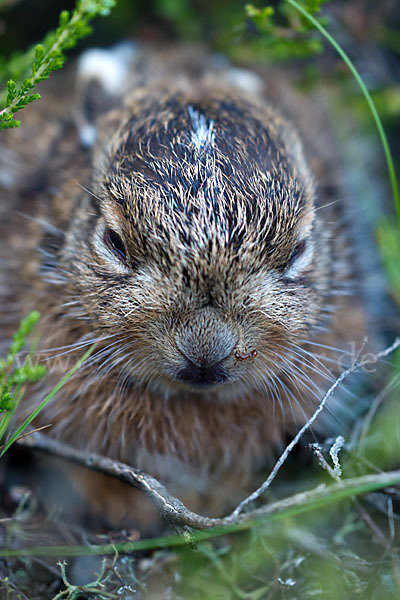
x=115, y=244
x=299, y=260
x=297, y=252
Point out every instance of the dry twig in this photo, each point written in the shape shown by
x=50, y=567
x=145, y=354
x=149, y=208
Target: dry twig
x=173, y=509
x=354, y=367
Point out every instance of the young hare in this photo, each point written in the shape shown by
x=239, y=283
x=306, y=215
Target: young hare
x=175, y=218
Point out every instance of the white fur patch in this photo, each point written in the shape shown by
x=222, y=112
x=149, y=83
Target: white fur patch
x=104, y=67
x=87, y=135
x=245, y=80
x=9, y=168
x=109, y=67
x=202, y=135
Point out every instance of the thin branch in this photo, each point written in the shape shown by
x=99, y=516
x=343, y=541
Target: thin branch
x=173, y=510
x=322, y=495
x=354, y=367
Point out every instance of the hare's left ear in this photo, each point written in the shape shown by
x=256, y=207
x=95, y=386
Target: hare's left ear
x=102, y=81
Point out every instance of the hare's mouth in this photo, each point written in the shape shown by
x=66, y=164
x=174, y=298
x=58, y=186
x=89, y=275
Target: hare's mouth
x=203, y=376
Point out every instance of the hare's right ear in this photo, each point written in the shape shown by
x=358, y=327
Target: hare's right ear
x=103, y=78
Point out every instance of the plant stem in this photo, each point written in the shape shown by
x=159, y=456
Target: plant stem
x=57, y=45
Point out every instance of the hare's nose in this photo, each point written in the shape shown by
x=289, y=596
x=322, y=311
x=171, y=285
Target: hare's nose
x=205, y=340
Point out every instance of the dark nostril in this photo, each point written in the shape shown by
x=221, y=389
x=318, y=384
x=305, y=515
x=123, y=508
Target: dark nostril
x=202, y=375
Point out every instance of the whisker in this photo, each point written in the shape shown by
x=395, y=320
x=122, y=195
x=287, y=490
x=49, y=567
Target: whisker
x=75, y=345
x=326, y=205
x=88, y=191
x=312, y=343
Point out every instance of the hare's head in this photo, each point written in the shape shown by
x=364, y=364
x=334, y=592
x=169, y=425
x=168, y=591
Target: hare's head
x=199, y=246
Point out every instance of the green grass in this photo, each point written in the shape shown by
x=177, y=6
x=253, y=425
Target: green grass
x=13, y=377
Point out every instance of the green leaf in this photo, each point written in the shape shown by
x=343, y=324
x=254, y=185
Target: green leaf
x=39, y=52
x=63, y=20
x=11, y=90
x=260, y=16
x=313, y=6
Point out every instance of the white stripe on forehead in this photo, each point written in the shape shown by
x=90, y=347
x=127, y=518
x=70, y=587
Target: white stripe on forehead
x=202, y=134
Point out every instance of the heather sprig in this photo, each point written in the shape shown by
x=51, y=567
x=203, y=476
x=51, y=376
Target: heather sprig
x=16, y=372
x=47, y=57
x=284, y=32
x=14, y=375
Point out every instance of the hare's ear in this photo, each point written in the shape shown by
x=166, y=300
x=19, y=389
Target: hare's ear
x=103, y=78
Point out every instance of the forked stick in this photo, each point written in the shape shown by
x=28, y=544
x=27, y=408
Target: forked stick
x=173, y=509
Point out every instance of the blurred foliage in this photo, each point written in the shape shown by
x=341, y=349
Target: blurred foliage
x=18, y=369
x=283, y=33
x=389, y=243
x=313, y=558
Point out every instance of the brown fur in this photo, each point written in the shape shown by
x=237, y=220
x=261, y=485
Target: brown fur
x=210, y=235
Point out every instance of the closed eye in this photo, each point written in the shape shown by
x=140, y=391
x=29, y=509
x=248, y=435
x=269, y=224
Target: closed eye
x=297, y=252
x=113, y=241
x=299, y=259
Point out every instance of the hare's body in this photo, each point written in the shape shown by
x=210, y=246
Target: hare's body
x=184, y=228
